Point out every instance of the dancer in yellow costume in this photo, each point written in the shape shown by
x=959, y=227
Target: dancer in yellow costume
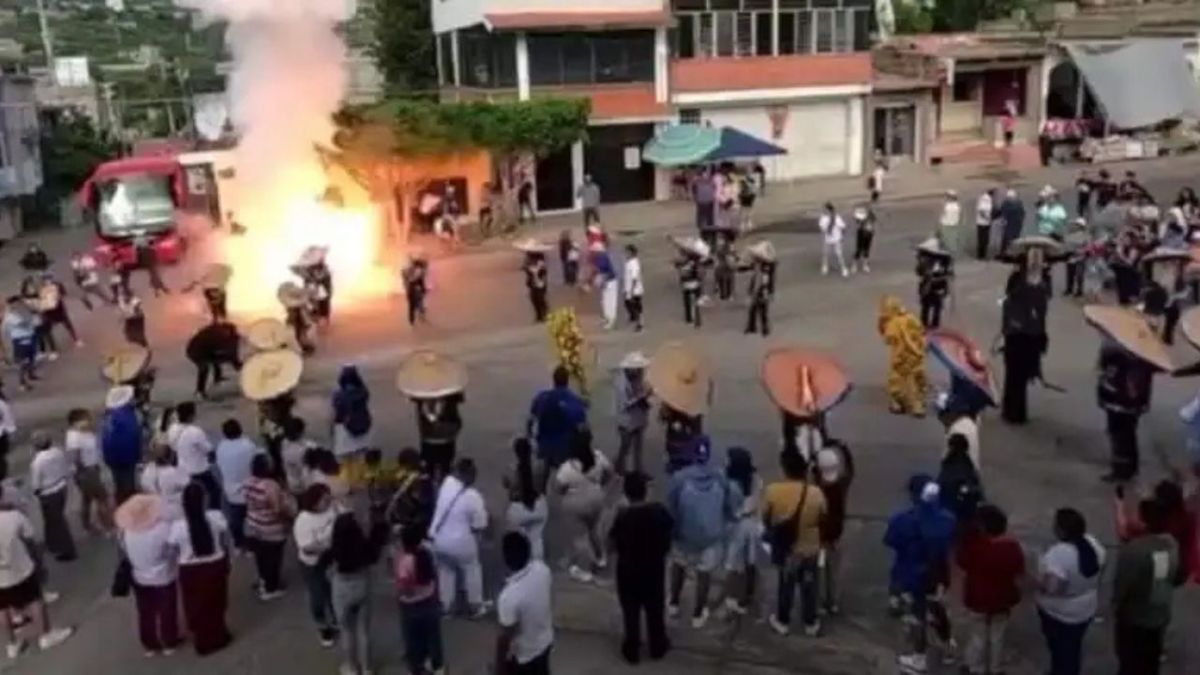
x=905, y=339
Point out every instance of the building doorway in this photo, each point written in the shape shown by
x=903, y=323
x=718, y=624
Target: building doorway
x=555, y=180
x=896, y=131
x=613, y=157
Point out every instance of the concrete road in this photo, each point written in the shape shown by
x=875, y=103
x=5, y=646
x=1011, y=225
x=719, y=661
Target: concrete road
x=478, y=312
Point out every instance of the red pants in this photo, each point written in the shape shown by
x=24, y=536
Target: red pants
x=205, y=589
x=158, y=616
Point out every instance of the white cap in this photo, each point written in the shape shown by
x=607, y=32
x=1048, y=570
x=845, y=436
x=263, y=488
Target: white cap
x=829, y=464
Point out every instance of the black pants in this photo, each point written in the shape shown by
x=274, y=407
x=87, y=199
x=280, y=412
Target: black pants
x=59, y=317
x=135, y=331
x=1082, y=203
x=1008, y=236
x=56, y=531
x=705, y=216
x=633, y=306
x=124, y=480
x=1022, y=355
x=205, y=369
x=416, y=308
x=862, y=245
x=1074, y=278
x=525, y=207
x=931, y=311
x=1123, y=444
x=212, y=487
x=1139, y=650
x=759, y=318
x=438, y=456
x=643, y=594
x=725, y=280
x=1170, y=321
x=540, y=665
x=537, y=298
x=1126, y=280
x=983, y=237
x=691, y=306
x=268, y=559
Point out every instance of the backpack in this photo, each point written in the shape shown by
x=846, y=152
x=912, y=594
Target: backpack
x=705, y=512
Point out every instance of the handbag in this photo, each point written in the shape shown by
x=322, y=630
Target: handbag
x=122, y=582
x=782, y=535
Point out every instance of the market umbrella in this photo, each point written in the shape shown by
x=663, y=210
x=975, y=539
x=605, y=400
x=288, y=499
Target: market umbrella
x=736, y=144
x=682, y=144
x=804, y=382
x=963, y=358
x=1130, y=329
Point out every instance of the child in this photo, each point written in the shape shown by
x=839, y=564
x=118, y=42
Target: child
x=568, y=255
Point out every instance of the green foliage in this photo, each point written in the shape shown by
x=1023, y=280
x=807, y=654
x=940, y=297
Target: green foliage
x=71, y=148
x=911, y=18
x=949, y=16
x=403, y=43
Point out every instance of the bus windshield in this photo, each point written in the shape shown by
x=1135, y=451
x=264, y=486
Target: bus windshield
x=135, y=204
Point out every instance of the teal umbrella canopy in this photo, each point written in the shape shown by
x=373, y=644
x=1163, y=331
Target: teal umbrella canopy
x=682, y=144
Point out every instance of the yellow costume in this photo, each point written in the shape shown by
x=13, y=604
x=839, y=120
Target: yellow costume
x=905, y=338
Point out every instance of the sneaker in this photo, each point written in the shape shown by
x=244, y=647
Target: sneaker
x=734, y=607
x=327, y=637
x=845, y=273
x=672, y=610
x=602, y=563
x=824, y=271
x=700, y=619
x=267, y=596
x=482, y=610
x=912, y=663
x=866, y=268
x=54, y=638
x=168, y=651
x=347, y=669
x=581, y=575
x=813, y=630
x=776, y=625
x=14, y=649
x=150, y=654
x=52, y=356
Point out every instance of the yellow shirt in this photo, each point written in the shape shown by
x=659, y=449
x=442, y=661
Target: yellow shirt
x=782, y=499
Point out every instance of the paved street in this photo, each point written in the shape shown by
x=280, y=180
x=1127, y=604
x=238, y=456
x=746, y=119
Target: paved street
x=479, y=313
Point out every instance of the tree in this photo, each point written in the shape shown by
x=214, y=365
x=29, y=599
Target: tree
x=403, y=44
x=950, y=16
x=71, y=147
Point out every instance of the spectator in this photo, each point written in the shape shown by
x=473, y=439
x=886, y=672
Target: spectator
x=165, y=480
x=994, y=565
x=201, y=538
x=527, y=511
x=1012, y=215
x=83, y=451
x=795, y=508
x=459, y=518
x=958, y=480
x=269, y=509
x=20, y=333
x=49, y=476
x=353, y=554
x=121, y=441
x=420, y=611
x=413, y=501
x=8, y=427
x=641, y=539
x=351, y=415
x=985, y=210
x=20, y=583
x=193, y=451
x=704, y=506
x=234, y=457
x=1147, y=571
x=920, y=537
x=835, y=473
x=554, y=416
x=582, y=480
x=589, y=199
x=313, y=532
x=525, y=201
x=295, y=445
x=144, y=541
x=632, y=403
x=1068, y=591
x=949, y=222
x=524, y=610
x=704, y=194
x=833, y=230
x=633, y=286
x=741, y=555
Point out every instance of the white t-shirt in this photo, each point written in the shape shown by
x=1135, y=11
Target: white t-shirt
x=8, y=423
x=233, y=461
x=181, y=539
x=49, y=471
x=151, y=555
x=951, y=214
x=832, y=227
x=458, y=515
x=292, y=454
x=573, y=479
x=531, y=523
x=1079, y=597
x=191, y=447
x=15, y=563
x=82, y=448
x=313, y=531
x=525, y=603
x=167, y=482
x=634, y=288
x=983, y=210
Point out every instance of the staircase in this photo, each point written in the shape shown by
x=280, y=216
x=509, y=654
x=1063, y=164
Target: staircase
x=978, y=152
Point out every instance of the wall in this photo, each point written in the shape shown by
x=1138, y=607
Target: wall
x=20, y=156
x=454, y=14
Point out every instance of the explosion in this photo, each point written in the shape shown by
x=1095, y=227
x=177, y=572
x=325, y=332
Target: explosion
x=288, y=79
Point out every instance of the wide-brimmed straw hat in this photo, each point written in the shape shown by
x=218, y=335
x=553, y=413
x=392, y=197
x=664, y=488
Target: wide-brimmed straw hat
x=216, y=275
x=118, y=396
x=313, y=255
x=1167, y=254
x=267, y=334
x=1130, y=329
x=681, y=378
x=635, y=361
x=124, y=364
x=963, y=358
x=425, y=373
x=1022, y=244
x=692, y=245
x=267, y=375
x=804, y=382
x=139, y=513
x=763, y=250
x=932, y=246
x=531, y=245
x=292, y=295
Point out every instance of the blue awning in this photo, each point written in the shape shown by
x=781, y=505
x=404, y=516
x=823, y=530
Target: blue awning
x=685, y=144
x=737, y=144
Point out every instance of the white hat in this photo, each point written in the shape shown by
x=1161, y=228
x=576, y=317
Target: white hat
x=952, y=192
x=1010, y=193
x=635, y=361
x=118, y=396
x=1048, y=190
x=829, y=464
x=930, y=492
x=860, y=213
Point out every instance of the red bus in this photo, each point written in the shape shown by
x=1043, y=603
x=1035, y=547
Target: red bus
x=136, y=200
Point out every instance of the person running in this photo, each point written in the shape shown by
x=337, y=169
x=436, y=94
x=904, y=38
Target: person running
x=21, y=589
x=53, y=305
x=536, y=283
x=49, y=478
x=353, y=553
x=641, y=539
x=20, y=333
x=793, y=510
x=527, y=510
x=582, y=480
x=313, y=535
x=352, y=420
x=133, y=319
x=704, y=505
x=202, y=539
x=525, y=612
x=833, y=230
x=1068, y=583
x=459, y=518
x=269, y=509
x=415, y=276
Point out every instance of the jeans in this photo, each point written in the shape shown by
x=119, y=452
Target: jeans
x=705, y=216
x=57, y=532
x=158, y=616
x=631, y=445
x=1065, y=643
x=421, y=625
x=351, y=595
x=1139, y=649
x=802, y=571
x=449, y=567
x=268, y=559
x=236, y=515
x=1074, y=278
x=212, y=487
x=320, y=600
x=984, y=648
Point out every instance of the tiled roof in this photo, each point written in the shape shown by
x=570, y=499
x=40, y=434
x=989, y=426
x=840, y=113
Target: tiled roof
x=770, y=72
x=583, y=18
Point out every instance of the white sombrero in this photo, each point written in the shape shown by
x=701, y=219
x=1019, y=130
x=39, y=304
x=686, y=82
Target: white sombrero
x=292, y=295
x=635, y=361
x=428, y=374
x=763, y=250
x=118, y=396
x=693, y=245
x=932, y=246
x=531, y=245
x=313, y=255
x=125, y=363
x=268, y=334
x=267, y=375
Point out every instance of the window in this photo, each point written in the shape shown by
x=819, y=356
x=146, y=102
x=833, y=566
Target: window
x=804, y=33
x=691, y=4
x=965, y=85
x=862, y=30
x=685, y=37
x=787, y=32
x=704, y=36
x=545, y=59
x=487, y=59
x=689, y=116
x=843, y=32
x=584, y=58
x=723, y=4
x=794, y=4
x=725, y=32
x=763, y=26
x=824, y=32
x=577, y=61
x=744, y=46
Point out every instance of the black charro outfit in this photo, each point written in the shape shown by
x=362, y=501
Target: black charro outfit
x=934, y=274
x=415, y=289
x=1023, y=325
x=536, y=277
x=211, y=347
x=762, y=291
x=725, y=270
x=1123, y=392
x=691, y=271
x=438, y=425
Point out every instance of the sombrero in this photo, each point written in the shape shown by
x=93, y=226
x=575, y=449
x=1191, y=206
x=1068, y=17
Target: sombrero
x=268, y=334
x=125, y=363
x=1022, y=244
x=692, y=245
x=803, y=382
x=138, y=513
x=118, y=396
x=1129, y=328
x=1166, y=254
x=681, y=377
x=216, y=276
x=531, y=245
x=963, y=358
x=292, y=295
x=932, y=246
x=267, y=375
x=634, y=361
x=425, y=373
x=313, y=255
x=763, y=250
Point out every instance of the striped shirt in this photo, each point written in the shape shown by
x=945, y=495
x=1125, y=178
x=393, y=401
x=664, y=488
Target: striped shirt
x=268, y=510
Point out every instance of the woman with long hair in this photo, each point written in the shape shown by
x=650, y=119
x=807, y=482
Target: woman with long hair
x=1068, y=590
x=741, y=555
x=581, y=480
x=313, y=531
x=269, y=511
x=420, y=609
x=353, y=554
x=527, y=511
x=351, y=414
x=201, y=538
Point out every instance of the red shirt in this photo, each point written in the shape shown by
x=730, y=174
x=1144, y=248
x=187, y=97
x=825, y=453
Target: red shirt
x=993, y=567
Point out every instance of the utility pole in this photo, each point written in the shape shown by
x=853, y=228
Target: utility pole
x=47, y=39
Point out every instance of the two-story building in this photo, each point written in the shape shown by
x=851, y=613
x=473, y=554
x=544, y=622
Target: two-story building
x=794, y=72
x=20, y=153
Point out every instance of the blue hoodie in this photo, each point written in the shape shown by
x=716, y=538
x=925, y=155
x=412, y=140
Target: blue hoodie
x=920, y=536
x=703, y=504
x=121, y=437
